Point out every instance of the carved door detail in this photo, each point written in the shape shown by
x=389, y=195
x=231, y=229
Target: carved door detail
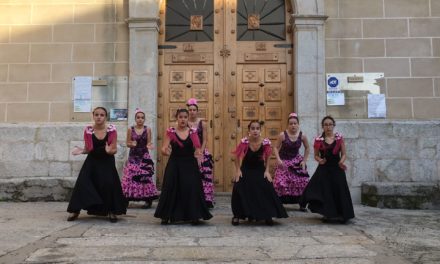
x=235, y=58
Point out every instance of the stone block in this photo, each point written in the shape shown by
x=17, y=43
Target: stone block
x=416, y=129
x=393, y=170
x=355, y=193
x=50, y=53
x=427, y=148
x=4, y=70
x=359, y=8
x=332, y=48
x=52, y=14
x=427, y=108
x=435, y=8
x=17, y=151
x=410, y=195
x=413, y=47
x=14, y=133
x=2, y=112
x=36, y=189
x=362, y=48
x=96, y=52
x=376, y=130
x=120, y=69
x=29, y=72
x=363, y=171
x=122, y=52
x=60, y=112
x=406, y=8
x=31, y=33
x=111, y=32
x=15, y=92
x=4, y=34
x=52, y=151
x=16, y=169
x=101, y=13
x=341, y=65
x=424, y=27
x=390, y=148
x=16, y=53
x=49, y=92
x=399, y=108
x=391, y=67
x=349, y=129
x=73, y=33
x=424, y=170
x=343, y=28
x=356, y=148
x=121, y=11
x=436, y=48
x=64, y=72
x=60, y=169
x=385, y=28
x=406, y=87
x=51, y=133
x=28, y=112
x=15, y=14
x=425, y=67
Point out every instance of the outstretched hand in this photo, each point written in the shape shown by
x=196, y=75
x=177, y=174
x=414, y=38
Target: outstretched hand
x=77, y=151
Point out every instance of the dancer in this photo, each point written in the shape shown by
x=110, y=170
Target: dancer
x=98, y=189
x=207, y=162
x=137, y=182
x=182, y=197
x=327, y=192
x=291, y=176
x=253, y=195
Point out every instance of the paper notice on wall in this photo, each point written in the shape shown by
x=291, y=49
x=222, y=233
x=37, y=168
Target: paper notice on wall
x=82, y=88
x=82, y=94
x=335, y=98
x=376, y=106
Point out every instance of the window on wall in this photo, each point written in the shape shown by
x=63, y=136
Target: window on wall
x=261, y=20
x=189, y=21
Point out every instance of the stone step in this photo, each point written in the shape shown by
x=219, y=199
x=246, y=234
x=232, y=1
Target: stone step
x=402, y=195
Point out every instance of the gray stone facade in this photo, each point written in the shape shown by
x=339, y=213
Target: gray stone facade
x=36, y=163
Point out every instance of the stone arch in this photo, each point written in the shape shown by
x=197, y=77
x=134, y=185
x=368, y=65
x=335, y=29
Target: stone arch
x=308, y=7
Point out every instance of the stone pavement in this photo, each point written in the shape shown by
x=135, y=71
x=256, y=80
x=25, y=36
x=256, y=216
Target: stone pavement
x=39, y=233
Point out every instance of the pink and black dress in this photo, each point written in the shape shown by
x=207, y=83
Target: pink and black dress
x=206, y=169
x=290, y=179
x=182, y=196
x=253, y=196
x=98, y=188
x=137, y=183
x=327, y=192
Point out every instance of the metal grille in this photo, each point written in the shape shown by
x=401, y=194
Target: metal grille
x=189, y=20
x=261, y=20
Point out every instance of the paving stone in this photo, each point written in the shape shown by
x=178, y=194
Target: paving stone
x=334, y=251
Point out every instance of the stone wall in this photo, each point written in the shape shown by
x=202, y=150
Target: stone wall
x=400, y=38
x=36, y=162
x=44, y=44
x=391, y=151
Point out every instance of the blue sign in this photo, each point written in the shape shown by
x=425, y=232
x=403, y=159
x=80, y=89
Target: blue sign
x=333, y=82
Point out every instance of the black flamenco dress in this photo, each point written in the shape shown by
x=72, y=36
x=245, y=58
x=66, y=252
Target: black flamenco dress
x=182, y=198
x=327, y=192
x=253, y=196
x=98, y=188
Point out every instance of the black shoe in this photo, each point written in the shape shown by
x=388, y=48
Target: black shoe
x=235, y=221
x=195, y=222
x=164, y=222
x=112, y=218
x=303, y=209
x=147, y=205
x=72, y=216
x=269, y=222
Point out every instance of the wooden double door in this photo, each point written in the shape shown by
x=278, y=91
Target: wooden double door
x=235, y=58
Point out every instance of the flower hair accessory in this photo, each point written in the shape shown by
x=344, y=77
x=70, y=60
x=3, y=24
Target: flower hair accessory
x=192, y=101
x=293, y=115
x=138, y=110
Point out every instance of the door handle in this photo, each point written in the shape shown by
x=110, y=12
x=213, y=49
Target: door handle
x=261, y=84
x=238, y=122
x=210, y=123
x=188, y=85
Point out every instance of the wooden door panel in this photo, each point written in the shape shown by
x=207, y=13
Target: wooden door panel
x=237, y=72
